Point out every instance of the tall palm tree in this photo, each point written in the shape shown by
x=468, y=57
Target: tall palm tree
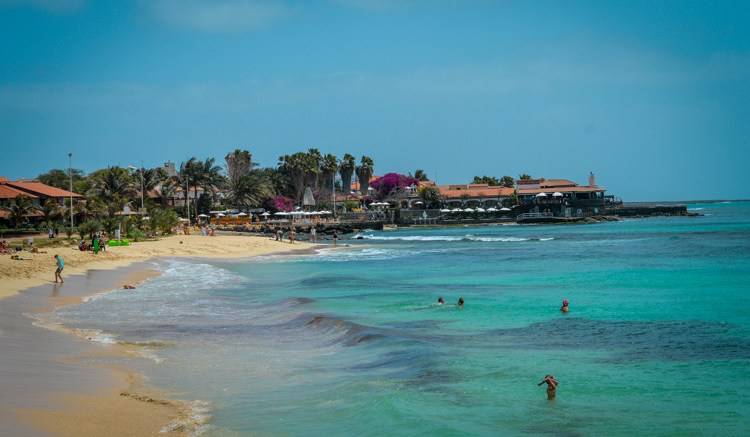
x=346, y=170
x=113, y=186
x=239, y=164
x=328, y=168
x=251, y=189
x=364, y=173
x=295, y=167
x=312, y=168
x=420, y=175
x=189, y=176
x=51, y=210
x=21, y=208
x=211, y=177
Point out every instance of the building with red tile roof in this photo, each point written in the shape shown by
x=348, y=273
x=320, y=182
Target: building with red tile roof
x=37, y=191
x=482, y=195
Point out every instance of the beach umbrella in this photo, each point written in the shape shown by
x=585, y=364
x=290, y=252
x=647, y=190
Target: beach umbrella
x=468, y=210
x=504, y=209
x=202, y=215
x=242, y=214
x=456, y=210
x=557, y=194
x=491, y=209
x=541, y=195
x=417, y=203
x=480, y=209
x=281, y=213
x=220, y=214
x=265, y=214
x=445, y=210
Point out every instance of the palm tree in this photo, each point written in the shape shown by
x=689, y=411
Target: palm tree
x=295, y=167
x=346, y=170
x=20, y=209
x=420, y=175
x=524, y=177
x=211, y=177
x=51, y=210
x=364, y=173
x=189, y=175
x=113, y=186
x=312, y=168
x=328, y=168
x=251, y=189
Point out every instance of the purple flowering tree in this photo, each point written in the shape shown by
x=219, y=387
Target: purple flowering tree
x=391, y=184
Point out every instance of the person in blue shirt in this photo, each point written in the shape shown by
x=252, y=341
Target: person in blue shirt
x=60, y=267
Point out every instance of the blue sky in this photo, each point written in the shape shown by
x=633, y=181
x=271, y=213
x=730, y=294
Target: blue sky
x=652, y=96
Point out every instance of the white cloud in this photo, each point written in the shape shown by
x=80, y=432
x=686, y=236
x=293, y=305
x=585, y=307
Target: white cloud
x=56, y=6
x=218, y=15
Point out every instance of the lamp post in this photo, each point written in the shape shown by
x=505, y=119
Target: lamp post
x=70, y=176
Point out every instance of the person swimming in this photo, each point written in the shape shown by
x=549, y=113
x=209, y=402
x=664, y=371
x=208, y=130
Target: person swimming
x=441, y=301
x=564, y=308
x=460, y=302
x=552, y=384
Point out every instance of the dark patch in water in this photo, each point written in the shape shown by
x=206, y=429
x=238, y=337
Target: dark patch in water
x=629, y=341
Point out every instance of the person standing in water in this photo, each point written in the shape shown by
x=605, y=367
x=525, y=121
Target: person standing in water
x=460, y=303
x=552, y=384
x=60, y=267
x=441, y=301
x=335, y=237
x=564, y=308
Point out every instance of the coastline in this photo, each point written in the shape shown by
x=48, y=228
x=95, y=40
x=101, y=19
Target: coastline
x=99, y=393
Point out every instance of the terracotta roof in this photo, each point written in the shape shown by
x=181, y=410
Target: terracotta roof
x=550, y=190
x=39, y=189
x=474, y=190
x=8, y=192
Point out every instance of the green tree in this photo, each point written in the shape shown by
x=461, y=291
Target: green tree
x=51, y=211
x=364, y=173
x=162, y=221
x=489, y=180
x=88, y=228
x=420, y=175
x=21, y=208
x=524, y=177
x=507, y=181
x=328, y=167
x=113, y=186
x=430, y=196
x=59, y=178
x=346, y=170
x=239, y=163
x=252, y=189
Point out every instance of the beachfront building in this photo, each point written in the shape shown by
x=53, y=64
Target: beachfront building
x=36, y=191
x=475, y=195
x=562, y=197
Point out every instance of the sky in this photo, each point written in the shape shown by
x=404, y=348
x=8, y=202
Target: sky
x=652, y=96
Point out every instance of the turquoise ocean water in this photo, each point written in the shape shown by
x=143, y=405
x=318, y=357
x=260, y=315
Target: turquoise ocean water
x=351, y=342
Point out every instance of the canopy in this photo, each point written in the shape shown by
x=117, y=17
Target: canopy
x=445, y=210
x=480, y=209
x=504, y=209
x=456, y=210
x=281, y=213
x=242, y=214
x=220, y=214
x=265, y=214
x=541, y=195
x=492, y=209
x=468, y=210
x=202, y=215
x=557, y=194
x=417, y=203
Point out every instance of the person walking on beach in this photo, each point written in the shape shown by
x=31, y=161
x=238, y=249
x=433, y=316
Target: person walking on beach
x=552, y=384
x=60, y=267
x=564, y=308
x=292, y=235
x=335, y=237
x=313, y=235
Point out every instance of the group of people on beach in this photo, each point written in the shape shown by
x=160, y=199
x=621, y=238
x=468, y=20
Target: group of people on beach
x=97, y=245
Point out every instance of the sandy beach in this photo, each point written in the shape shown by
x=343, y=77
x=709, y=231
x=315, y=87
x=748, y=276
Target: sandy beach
x=62, y=384
x=38, y=268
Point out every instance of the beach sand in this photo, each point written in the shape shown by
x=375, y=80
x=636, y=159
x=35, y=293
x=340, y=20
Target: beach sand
x=39, y=268
x=62, y=384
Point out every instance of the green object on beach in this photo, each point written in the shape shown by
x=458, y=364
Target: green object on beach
x=112, y=243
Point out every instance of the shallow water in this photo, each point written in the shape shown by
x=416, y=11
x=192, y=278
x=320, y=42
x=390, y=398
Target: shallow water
x=351, y=342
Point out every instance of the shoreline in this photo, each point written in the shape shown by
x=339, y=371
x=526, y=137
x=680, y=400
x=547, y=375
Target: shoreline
x=106, y=396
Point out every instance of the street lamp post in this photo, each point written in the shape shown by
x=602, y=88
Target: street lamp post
x=70, y=176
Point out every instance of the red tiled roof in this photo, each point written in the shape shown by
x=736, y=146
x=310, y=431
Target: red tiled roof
x=550, y=190
x=39, y=189
x=8, y=192
x=474, y=190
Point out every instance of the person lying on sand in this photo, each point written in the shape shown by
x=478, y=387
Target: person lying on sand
x=552, y=384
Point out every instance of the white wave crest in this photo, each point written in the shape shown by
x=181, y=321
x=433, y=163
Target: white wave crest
x=467, y=237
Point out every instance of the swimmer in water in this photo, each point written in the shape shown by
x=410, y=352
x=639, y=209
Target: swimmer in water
x=460, y=302
x=441, y=301
x=552, y=384
x=564, y=308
